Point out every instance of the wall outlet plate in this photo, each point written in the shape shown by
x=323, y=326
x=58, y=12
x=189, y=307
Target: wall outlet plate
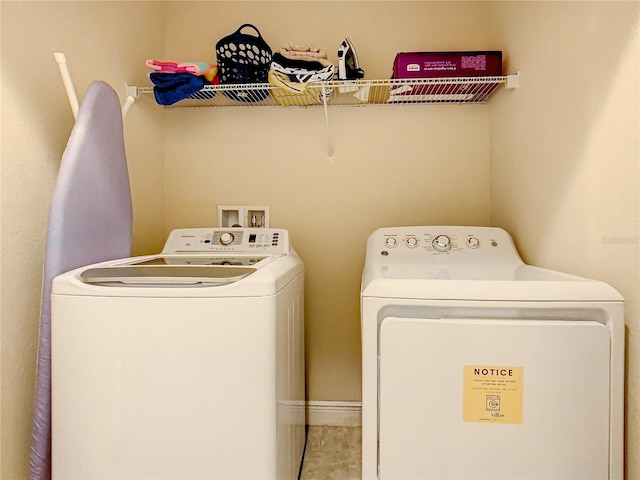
x=243, y=216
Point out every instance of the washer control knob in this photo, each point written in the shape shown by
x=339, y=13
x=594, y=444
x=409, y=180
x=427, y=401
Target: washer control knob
x=226, y=238
x=473, y=242
x=390, y=242
x=412, y=242
x=442, y=243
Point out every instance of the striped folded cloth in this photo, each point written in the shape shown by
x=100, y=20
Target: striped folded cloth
x=294, y=79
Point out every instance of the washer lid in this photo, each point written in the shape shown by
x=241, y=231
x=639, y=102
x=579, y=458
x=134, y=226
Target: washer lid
x=151, y=275
x=257, y=261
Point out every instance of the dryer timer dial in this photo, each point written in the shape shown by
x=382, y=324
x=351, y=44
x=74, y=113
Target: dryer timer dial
x=442, y=243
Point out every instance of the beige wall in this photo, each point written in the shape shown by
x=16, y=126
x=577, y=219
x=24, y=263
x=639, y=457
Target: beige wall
x=533, y=160
x=102, y=41
x=386, y=171
x=565, y=152
x=392, y=166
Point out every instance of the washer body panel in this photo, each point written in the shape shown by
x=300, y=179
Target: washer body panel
x=168, y=380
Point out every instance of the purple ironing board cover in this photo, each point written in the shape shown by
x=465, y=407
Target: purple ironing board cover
x=90, y=221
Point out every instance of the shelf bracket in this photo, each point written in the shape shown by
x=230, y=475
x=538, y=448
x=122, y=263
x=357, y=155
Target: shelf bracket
x=512, y=81
x=132, y=96
x=61, y=59
x=326, y=120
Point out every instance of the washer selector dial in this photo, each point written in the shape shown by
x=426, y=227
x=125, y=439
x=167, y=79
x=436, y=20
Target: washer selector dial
x=390, y=242
x=473, y=242
x=442, y=243
x=412, y=242
x=226, y=238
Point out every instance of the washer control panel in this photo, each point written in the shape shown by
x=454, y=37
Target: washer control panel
x=237, y=240
x=442, y=244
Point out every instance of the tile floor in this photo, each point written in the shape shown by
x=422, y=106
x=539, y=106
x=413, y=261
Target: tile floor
x=333, y=453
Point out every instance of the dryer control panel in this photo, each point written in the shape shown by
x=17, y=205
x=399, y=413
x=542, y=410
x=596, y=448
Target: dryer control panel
x=273, y=241
x=441, y=244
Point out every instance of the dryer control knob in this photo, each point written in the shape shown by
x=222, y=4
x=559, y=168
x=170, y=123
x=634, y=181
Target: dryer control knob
x=390, y=242
x=226, y=238
x=442, y=243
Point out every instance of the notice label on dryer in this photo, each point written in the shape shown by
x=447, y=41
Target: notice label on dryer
x=492, y=394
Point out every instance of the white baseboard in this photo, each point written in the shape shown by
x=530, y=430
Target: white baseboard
x=342, y=414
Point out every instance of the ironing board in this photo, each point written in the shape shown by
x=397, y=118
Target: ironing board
x=90, y=221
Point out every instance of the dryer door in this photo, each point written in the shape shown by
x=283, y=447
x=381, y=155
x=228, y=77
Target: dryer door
x=493, y=399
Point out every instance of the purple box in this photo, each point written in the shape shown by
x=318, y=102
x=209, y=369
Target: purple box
x=447, y=64
x=424, y=69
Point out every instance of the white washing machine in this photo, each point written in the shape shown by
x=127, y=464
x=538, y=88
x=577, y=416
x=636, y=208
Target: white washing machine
x=188, y=364
x=477, y=366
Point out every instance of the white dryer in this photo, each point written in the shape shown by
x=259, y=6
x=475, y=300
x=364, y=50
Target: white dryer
x=188, y=364
x=477, y=366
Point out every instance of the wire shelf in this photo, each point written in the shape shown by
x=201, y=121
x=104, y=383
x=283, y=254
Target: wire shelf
x=456, y=90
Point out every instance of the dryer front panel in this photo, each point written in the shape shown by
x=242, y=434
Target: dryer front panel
x=465, y=398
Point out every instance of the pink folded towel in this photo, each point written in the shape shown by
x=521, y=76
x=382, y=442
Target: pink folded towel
x=195, y=68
